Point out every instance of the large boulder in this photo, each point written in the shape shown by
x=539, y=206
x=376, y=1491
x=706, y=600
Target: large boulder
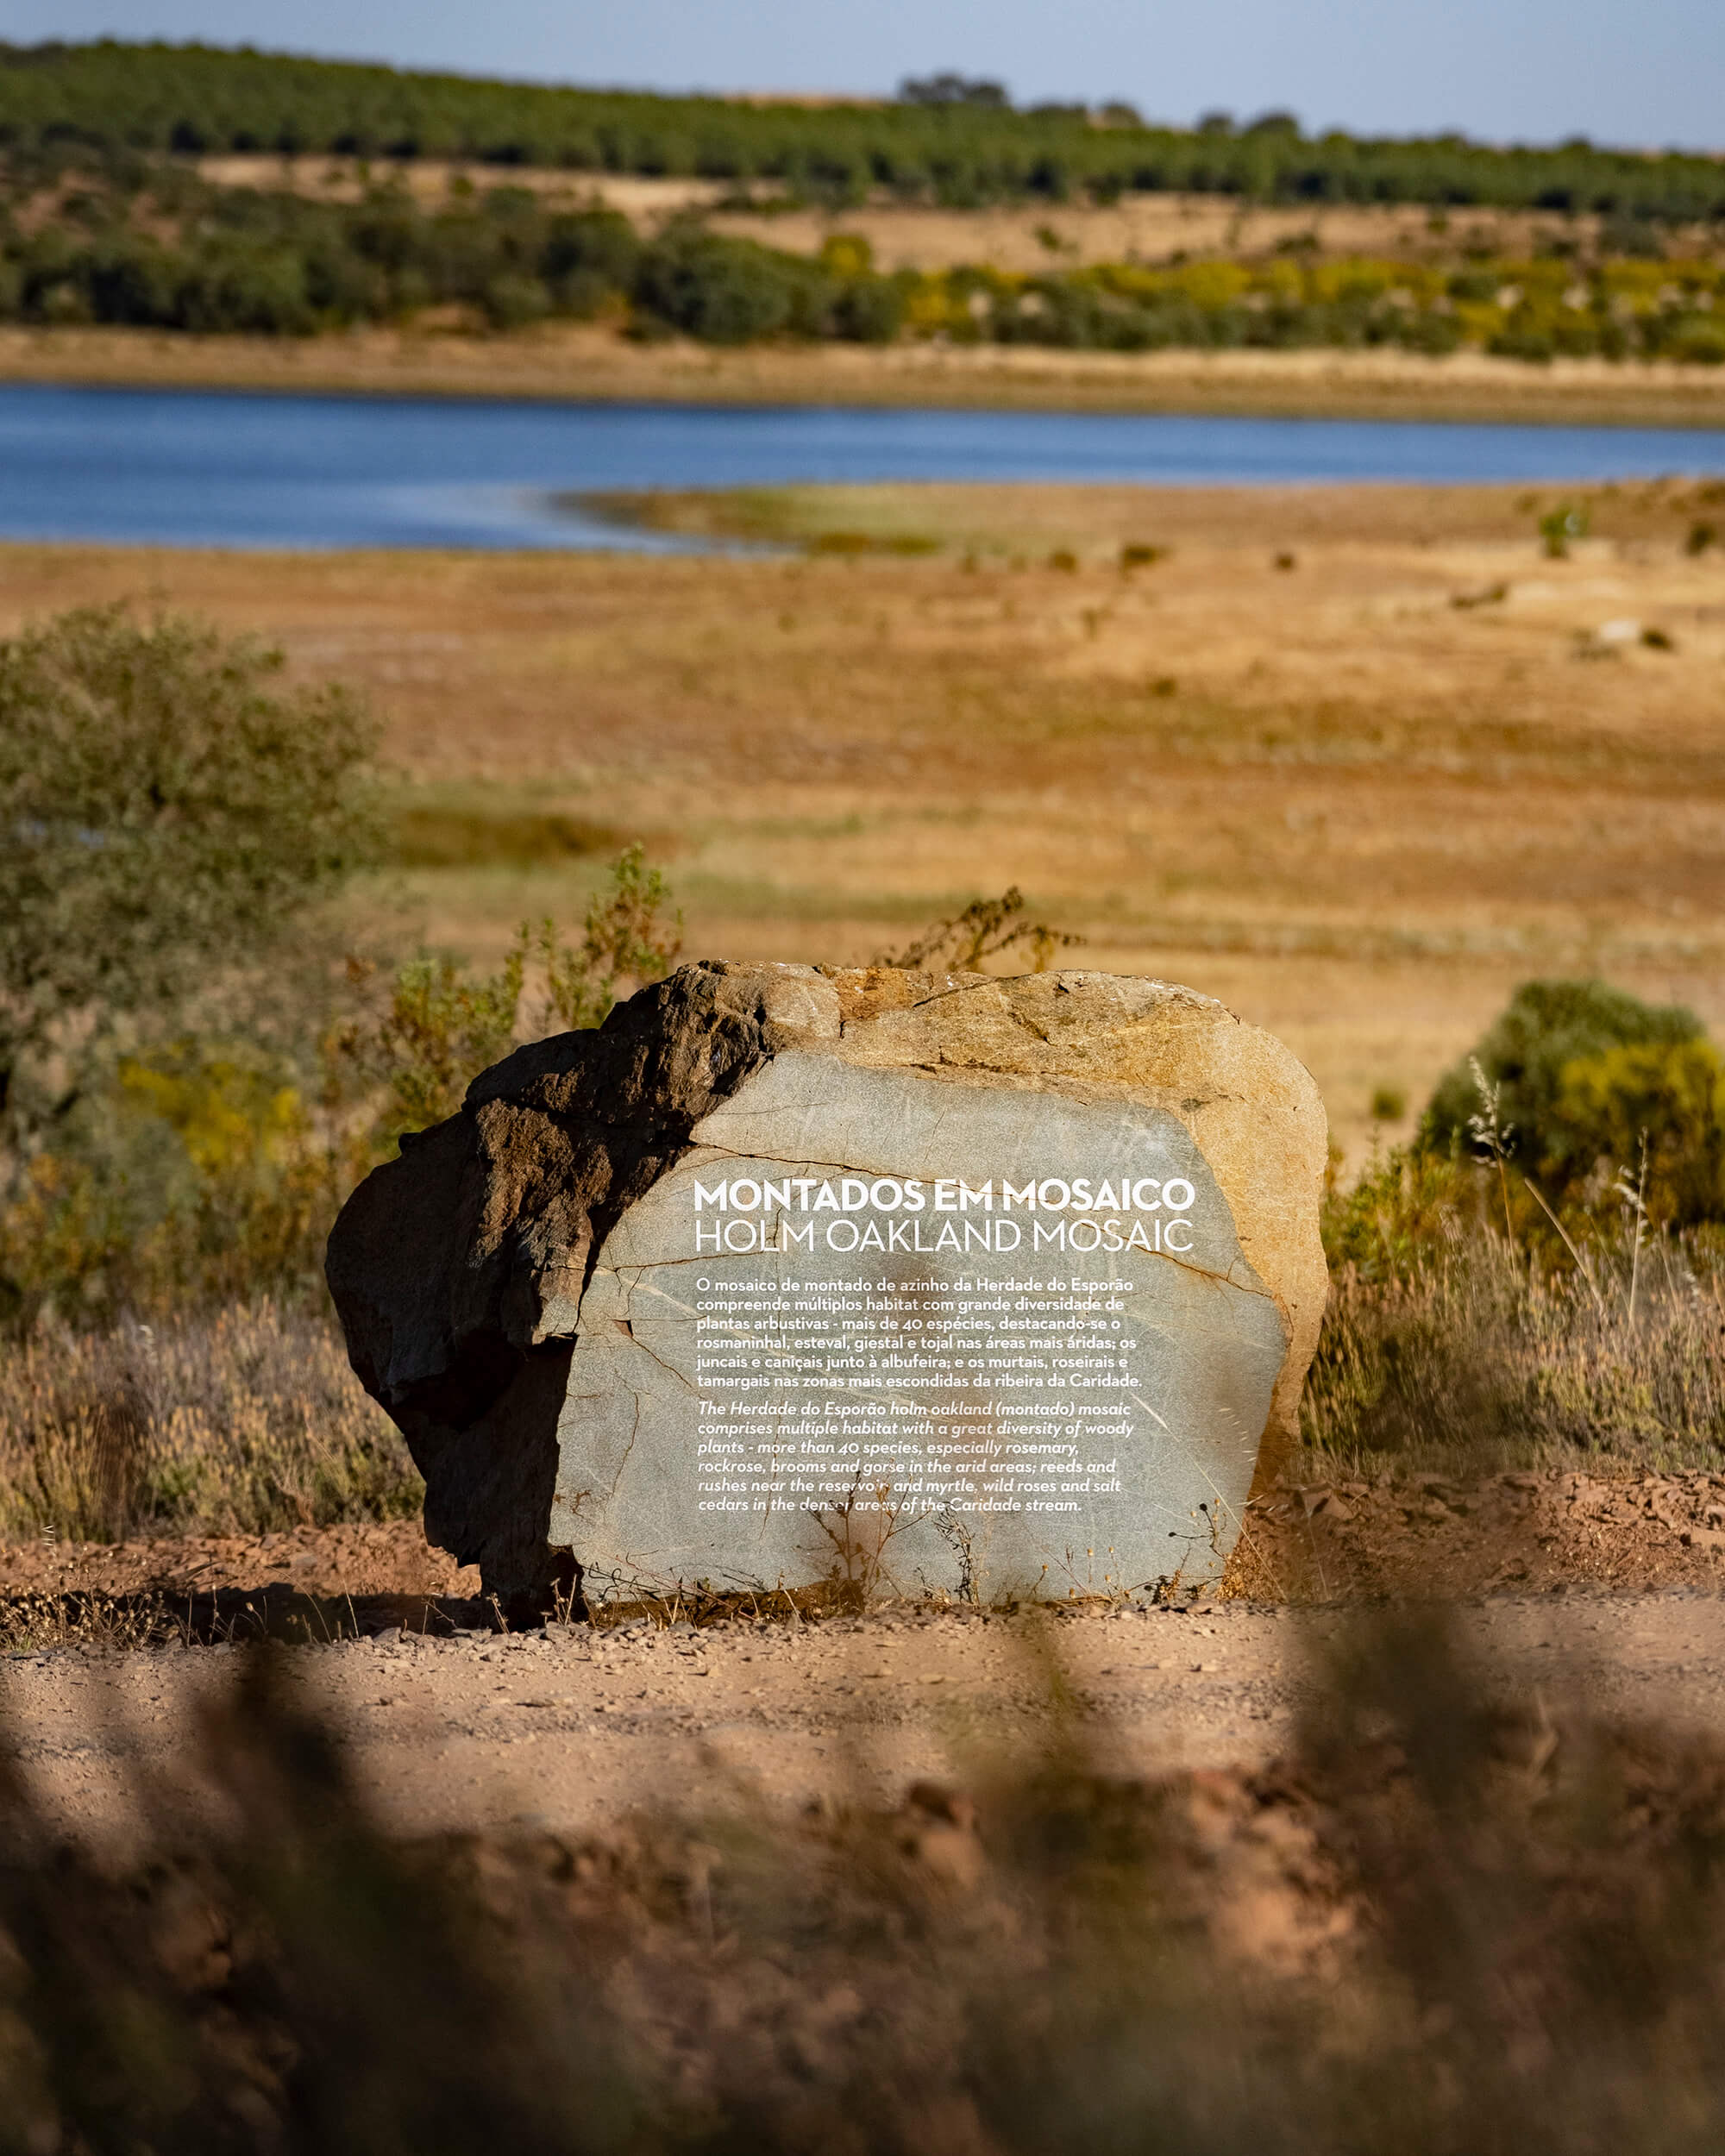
x=993, y=1285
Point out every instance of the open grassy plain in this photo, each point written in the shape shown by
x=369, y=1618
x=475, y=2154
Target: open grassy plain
x=1355, y=760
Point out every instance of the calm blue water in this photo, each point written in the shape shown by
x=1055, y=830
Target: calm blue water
x=196, y=469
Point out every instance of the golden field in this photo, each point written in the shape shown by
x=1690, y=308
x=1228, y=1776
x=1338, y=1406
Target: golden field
x=1026, y=236
x=1354, y=760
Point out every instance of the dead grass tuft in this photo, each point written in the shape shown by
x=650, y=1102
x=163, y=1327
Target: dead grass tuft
x=1484, y=1360
x=244, y=1421
x=33, y=1622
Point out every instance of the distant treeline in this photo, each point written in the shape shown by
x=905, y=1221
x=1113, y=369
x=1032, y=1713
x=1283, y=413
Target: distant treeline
x=958, y=150
x=127, y=243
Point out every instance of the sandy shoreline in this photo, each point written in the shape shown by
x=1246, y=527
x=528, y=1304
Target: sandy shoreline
x=581, y=364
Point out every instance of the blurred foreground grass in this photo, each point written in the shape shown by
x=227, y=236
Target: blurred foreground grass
x=1445, y=1925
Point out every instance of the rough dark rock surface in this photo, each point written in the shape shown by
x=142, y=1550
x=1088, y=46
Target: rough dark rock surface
x=457, y=1269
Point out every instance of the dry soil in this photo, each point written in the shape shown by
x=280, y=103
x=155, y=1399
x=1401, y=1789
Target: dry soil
x=1356, y=761
x=1574, y=1593
x=580, y=362
x=572, y=1729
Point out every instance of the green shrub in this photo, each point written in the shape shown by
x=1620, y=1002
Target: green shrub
x=597, y=243
x=724, y=291
x=409, y=1060
x=1671, y=1096
x=1559, y=525
x=1546, y=1027
x=170, y=810
x=869, y=310
x=512, y=302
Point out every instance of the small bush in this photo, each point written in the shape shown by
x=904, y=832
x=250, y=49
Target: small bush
x=721, y=291
x=982, y=929
x=1546, y=1026
x=169, y=809
x=409, y=1060
x=1670, y=1099
x=1558, y=526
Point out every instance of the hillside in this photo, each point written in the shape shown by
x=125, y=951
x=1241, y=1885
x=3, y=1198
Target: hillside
x=93, y=236
x=193, y=99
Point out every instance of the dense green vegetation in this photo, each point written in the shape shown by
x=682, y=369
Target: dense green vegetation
x=955, y=148
x=1581, y=1070
x=88, y=236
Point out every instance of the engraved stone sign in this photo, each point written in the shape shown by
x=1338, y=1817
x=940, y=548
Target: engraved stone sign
x=872, y=1323
x=997, y=1288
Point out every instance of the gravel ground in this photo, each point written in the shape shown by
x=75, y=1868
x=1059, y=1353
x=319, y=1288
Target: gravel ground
x=571, y=1729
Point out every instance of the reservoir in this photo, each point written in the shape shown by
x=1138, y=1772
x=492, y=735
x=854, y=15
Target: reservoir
x=200, y=468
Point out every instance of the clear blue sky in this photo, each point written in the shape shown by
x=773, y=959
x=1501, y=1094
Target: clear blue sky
x=1645, y=74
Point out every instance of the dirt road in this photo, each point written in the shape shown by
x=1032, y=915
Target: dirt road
x=570, y=1729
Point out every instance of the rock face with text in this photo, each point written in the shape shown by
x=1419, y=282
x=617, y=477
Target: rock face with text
x=928, y=1282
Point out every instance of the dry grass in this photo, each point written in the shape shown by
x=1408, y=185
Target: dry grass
x=1352, y=809
x=1162, y=227
x=1485, y=1362
x=240, y=1422
x=37, y=1623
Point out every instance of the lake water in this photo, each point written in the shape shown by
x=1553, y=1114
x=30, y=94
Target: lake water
x=202, y=468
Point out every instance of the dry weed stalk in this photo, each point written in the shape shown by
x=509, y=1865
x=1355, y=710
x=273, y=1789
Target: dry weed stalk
x=983, y=930
x=1481, y=1360
x=242, y=1422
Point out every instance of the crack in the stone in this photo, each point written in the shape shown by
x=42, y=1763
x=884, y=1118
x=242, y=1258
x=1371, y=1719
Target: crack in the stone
x=654, y=1356
x=1036, y=1032
x=635, y=1431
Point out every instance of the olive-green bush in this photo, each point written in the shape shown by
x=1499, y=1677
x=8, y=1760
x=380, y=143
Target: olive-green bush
x=1581, y=1070
x=169, y=807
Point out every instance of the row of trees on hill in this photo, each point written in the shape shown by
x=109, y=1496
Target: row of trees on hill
x=160, y=247
x=935, y=142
